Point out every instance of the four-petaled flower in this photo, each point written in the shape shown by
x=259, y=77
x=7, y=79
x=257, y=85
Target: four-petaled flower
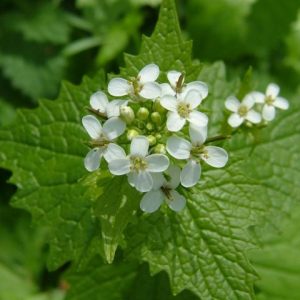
x=102, y=140
x=164, y=189
x=194, y=151
x=270, y=101
x=143, y=85
x=182, y=109
x=138, y=164
x=242, y=111
x=100, y=104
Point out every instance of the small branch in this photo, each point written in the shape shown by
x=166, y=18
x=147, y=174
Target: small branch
x=218, y=138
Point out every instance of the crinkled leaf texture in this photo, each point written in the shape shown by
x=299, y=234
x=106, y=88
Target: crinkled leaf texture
x=203, y=248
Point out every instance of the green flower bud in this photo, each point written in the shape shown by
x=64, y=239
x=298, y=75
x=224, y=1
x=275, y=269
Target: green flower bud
x=149, y=126
x=127, y=114
x=158, y=136
x=131, y=133
x=158, y=107
x=151, y=139
x=160, y=148
x=143, y=113
x=156, y=118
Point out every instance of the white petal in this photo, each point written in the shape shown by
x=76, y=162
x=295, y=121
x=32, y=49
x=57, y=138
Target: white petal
x=198, y=134
x=190, y=174
x=175, y=122
x=173, y=77
x=217, y=157
x=272, y=90
x=119, y=166
x=113, y=108
x=157, y=163
x=169, y=102
x=253, y=116
x=92, y=159
x=199, y=86
x=139, y=146
x=113, y=128
x=152, y=201
x=150, y=90
x=268, y=112
x=166, y=89
x=235, y=120
x=114, y=152
x=248, y=101
x=179, y=147
x=193, y=98
x=119, y=87
x=174, y=173
x=99, y=101
x=178, y=202
x=281, y=103
x=198, y=118
x=258, y=97
x=158, y=180
x=92, y=126
x=232, y=103
x=142, y=181
x=148, y=73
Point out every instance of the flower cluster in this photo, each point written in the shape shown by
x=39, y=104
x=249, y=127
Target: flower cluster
x=256, y=107
x=153, y=133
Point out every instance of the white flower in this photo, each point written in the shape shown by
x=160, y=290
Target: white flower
x=164, y=190
x=102, y=138
x=177, y=86
x=271, y=100
x=183, y=109
x=143, y=85
x=100, y=103
x=138, y=165
x=193, y=151
x=242, y=111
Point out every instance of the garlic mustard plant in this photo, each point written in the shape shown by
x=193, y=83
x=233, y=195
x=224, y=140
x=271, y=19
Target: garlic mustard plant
x=144, y=130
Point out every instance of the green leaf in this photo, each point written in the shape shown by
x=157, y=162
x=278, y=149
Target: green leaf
x=115, y=208
x=122, y=280
x=44, y=148
x=278, y=263
x=100, y=281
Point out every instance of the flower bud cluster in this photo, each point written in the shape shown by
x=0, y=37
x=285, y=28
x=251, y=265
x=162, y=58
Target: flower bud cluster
x=153, y=133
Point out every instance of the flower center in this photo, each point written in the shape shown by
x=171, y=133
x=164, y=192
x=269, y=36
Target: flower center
x=199, y=150
x=167, y=192
x=183, y=109
x=138, y=163
x=243, y=110
x=269, y=100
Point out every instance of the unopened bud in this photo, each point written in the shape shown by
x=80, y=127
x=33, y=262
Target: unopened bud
x=158, y=107
x=151, y=139
x=127, y=114
x=160, y=148
x=158, y=136
x=156, y=118
x=149, y=126
x=131, y=133
x=143, y=114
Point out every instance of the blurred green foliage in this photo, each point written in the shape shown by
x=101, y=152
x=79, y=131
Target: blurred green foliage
x=44, y=42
